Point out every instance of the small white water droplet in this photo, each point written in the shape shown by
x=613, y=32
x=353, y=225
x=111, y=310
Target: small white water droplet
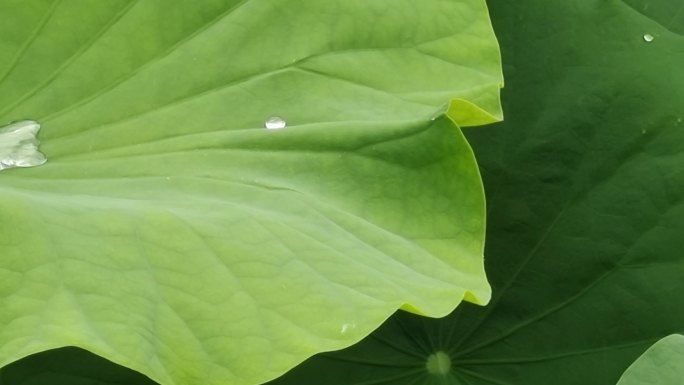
x=346, y=327
x=648, y=37
x=275, y=123
x=19, y=145
x=440, y=112
x=437, y=115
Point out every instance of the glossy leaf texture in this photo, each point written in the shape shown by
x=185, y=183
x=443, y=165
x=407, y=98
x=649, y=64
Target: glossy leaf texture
x=171, y=233
x=585, y=193
x=661, y=364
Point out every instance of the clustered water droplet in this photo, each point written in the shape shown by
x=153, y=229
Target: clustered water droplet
x=275, y=123
x=648, y=37
x=19, y=145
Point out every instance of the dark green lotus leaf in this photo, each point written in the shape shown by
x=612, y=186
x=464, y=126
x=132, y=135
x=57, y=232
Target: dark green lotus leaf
x=585, y=187
x=170, y=232
x=69, y=366
x=661, y=364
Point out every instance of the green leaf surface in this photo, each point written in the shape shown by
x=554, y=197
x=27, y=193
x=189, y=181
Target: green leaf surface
x=585, y=192
x=171, y=233
x=667, y=13
x=661, y=364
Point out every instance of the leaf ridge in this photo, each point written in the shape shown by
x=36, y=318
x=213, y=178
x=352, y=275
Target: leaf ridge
x=557, y=356
x=120, y=15
x=147, y=64
x=514, y=276
x=542, y=315
x=32, y=38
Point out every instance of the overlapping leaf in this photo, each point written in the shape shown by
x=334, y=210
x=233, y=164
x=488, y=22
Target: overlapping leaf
x=170, y=233
x=661, y=364
x=585, y=189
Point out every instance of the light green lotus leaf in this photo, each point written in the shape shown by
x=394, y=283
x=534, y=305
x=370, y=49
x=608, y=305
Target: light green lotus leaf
x=171, y=233
x=661, y=364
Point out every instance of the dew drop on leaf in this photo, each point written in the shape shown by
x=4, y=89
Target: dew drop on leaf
x=275, y=122
x=19, y=145
x=648, y=38
x=346, y=327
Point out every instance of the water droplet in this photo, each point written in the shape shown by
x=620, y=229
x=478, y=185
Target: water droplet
x=19, y=145
x=648, y=37
x=347, y=326
x=438, y=363
x=440, y=112
x=275, y=122
x=437, y=115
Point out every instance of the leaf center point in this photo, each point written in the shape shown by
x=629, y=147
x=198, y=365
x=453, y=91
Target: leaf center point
x=438, y=363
